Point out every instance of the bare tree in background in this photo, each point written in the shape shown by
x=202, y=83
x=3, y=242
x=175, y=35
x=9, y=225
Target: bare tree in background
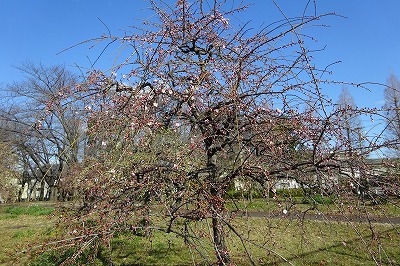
x=9, y=178
x=352, y=126
x=392, y=106
x=48, y=137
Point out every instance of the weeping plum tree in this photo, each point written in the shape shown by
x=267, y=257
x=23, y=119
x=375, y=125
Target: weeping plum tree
x=203, y=101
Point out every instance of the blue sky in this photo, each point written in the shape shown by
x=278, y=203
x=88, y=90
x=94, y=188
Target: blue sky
x=367, y=41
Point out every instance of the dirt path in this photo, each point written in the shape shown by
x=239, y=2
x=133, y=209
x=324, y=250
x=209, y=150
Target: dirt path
x=324, y=217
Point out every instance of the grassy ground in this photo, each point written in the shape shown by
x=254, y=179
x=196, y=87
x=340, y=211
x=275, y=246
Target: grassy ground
x=22, y=224
x=268, y=241
x=322, y=243
x=391, y=209
x=271, y=242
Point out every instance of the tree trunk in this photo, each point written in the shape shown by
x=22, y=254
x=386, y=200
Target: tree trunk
x=53, y=192
x=42, y=185
x=220, y=247
x=219, y=241
x=251, y=192
x=29, y=191
x=33, y=193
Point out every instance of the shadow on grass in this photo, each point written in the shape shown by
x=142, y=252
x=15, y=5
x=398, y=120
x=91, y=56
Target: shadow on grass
x=348, y=249
x=138, y=251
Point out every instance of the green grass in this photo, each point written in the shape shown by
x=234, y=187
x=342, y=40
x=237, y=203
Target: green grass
x=318, y=243
x=29, y=210
x=299, y=242
x=19, y=225
x=160, y=249
x=23, y=234
x=391, y=209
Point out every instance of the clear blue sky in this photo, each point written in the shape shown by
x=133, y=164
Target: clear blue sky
x=367, y=41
